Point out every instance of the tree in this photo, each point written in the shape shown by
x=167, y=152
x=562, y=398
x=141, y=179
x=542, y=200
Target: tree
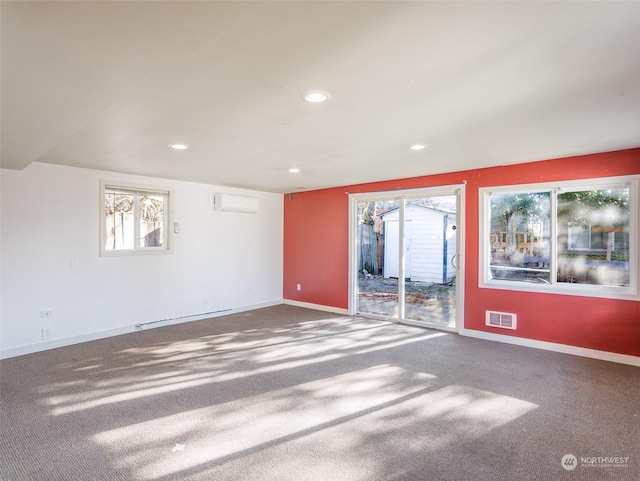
x=152, y=212
x=599, y=217
x=512, y=210
x=366, y=212
x=118, y=204
x=604, y=207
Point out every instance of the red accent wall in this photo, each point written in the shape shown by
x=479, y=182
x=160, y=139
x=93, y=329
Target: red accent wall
x=316, y=255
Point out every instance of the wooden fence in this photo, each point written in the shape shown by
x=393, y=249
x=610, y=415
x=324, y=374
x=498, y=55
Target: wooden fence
x=367, y=249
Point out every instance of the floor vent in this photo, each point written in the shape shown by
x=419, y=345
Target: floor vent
x=505, y=320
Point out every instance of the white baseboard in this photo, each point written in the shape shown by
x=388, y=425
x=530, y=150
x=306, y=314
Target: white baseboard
x=317, y=307
x=67, y=341
x=488, y=336
x=206, y=315
x=551, y=346
x=94, y=336
x=518, y=341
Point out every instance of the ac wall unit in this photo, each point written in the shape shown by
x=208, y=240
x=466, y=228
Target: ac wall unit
x=505, y=320
x=235, y=203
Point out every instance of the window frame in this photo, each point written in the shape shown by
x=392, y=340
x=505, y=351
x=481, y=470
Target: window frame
x=167, y=238
x=571, y=242
x=629, y=292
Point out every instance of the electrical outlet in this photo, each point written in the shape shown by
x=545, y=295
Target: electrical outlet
x=47, y=314
x=298, y=287
x=46, y=333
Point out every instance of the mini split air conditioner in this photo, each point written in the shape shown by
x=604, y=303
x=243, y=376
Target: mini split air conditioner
x=235, y=203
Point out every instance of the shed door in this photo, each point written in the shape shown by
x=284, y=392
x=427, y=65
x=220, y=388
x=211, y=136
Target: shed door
x=391, y=249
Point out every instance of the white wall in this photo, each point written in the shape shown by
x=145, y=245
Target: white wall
x=50, y=259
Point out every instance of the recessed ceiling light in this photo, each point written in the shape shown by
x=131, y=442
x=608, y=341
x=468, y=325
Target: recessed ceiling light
x=417, y=147
x=316, y=96
x=294, y=170
x=179, y=146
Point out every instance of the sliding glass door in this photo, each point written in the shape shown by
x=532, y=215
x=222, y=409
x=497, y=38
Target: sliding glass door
x=430, y=263
x=406, y=256
x=377, y=292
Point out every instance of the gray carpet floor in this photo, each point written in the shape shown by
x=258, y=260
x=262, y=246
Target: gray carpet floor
x=286, y=393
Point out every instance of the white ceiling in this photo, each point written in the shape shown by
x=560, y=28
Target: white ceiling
x=108, y=85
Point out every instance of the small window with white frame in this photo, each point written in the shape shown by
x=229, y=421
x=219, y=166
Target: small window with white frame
x=134, y=219
x=575, y=237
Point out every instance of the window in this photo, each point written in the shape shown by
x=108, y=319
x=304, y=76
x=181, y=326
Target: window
x=134, y=219
x=577, y=237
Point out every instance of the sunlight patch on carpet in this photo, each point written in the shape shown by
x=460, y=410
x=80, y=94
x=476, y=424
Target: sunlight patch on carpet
x=339, y=414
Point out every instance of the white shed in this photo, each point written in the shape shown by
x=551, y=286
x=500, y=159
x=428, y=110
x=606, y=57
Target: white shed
x=430, y=243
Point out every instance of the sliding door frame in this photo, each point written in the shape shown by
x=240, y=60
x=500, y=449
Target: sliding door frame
x=445, y=190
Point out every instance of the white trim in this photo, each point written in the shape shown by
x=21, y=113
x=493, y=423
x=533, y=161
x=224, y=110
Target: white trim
x=460, y=252
x=487, y=336
x=68, y=341
x=553, y=239
x=425, y=325
x=353, y=256
x=552, y=346
x=93, y=336
x=317, y=307
x=402, y=259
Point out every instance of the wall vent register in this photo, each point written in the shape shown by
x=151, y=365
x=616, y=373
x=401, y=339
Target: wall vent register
x=504, y=320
